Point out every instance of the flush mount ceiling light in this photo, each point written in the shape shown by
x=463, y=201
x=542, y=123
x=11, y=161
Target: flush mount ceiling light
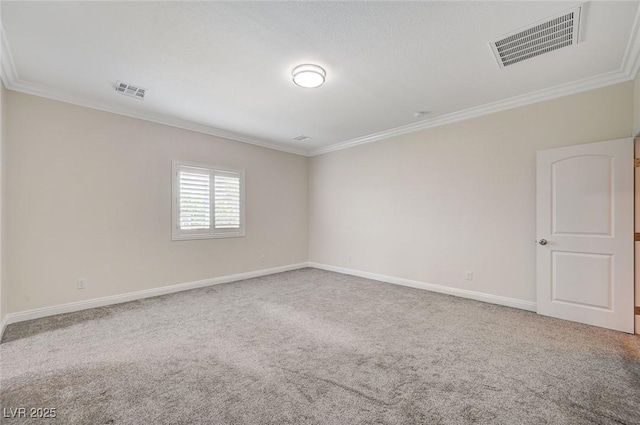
x=308, y=76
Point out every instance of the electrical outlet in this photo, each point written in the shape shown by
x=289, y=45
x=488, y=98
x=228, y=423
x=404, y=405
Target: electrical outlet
x=262, y=259
x=349, y=259
x=469, y=275
x=82, y=283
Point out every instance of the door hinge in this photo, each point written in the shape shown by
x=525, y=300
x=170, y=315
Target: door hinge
x=636, y=162
x=637, y=310
x=636, y=237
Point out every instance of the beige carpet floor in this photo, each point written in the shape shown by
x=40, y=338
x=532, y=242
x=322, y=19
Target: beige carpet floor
x=315, y=347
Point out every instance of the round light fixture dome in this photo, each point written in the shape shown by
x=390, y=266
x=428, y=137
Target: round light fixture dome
x=308, y=76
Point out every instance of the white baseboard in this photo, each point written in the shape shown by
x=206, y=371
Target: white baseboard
x=147, y=293
x=138, y=295
x=478, y=296
x=3, y=325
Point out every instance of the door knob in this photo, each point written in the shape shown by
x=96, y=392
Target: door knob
x=543, y=242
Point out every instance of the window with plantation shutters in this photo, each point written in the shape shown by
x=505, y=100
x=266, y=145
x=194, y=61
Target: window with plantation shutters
x=194, y=202
x=226, y=200
x=208, y=202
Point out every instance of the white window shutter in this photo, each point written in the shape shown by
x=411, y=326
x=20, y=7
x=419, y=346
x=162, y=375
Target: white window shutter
x=227, y=201
x=194, y=200
x=208, y=202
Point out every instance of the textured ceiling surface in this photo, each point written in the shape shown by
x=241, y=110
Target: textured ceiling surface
x=227, y=65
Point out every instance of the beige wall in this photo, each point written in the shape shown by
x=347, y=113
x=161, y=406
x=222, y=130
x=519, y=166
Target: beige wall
x=89, y=196
x=3, y=128
x=636, y=131
x=636, y=110
x=431, y=205
x=637, y=229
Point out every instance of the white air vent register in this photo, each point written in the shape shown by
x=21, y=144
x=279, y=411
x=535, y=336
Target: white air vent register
x=538, y=39
x=129, y=90
x=302, y=138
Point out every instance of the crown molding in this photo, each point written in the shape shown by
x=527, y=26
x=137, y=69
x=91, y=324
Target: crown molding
x=628, y=71
x=12, y=81
x=7, y=67
x=631, y=61
x=168, y=120
x=599, y=81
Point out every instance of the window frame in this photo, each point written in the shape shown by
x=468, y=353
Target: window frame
x=181, y=235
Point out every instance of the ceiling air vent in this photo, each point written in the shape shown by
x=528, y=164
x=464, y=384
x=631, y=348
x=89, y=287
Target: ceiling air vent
x=302, y=138
x=538, y=39
x=129, y=90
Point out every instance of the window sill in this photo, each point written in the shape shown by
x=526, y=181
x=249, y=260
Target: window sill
x=206, y=236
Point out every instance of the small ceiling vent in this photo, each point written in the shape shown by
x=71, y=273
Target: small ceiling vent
x=302, y=138
x=129, y=90
x=538, y=39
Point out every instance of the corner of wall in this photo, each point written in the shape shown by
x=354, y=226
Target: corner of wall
x=636, y=106
x=636, y=133
x=3, y=131
x=442, y=220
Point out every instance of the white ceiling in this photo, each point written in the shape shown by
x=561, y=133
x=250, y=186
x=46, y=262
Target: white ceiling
x=224, y=68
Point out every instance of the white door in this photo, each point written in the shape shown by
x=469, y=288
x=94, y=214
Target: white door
x=585, y=234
